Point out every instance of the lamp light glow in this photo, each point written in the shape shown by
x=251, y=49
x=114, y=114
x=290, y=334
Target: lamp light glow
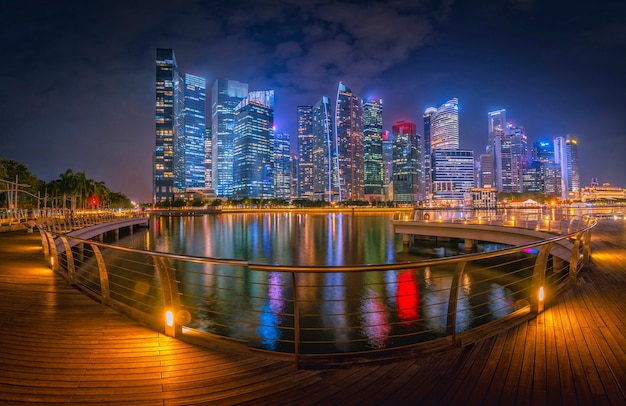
x=541, y=294
x=169, y=318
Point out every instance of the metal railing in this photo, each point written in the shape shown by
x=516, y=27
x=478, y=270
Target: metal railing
x=325, y=314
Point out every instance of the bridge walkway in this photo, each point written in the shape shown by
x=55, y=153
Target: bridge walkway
x=58, y=346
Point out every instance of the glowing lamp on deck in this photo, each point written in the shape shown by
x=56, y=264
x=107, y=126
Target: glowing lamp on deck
x=52, y=262
x=169, y=318
x=541, y=294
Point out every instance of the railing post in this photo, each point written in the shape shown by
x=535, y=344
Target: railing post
x=45, y=244
x=296, y=321
x=54, y=257
x=454, y=299
x=174, y=315
x=573, y=262
x=71, y=270
x=538, y=288
x=105, y=292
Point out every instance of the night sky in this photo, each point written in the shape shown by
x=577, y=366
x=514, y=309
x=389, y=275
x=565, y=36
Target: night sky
x=78, y=76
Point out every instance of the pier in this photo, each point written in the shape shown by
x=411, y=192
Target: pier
x=58, y=346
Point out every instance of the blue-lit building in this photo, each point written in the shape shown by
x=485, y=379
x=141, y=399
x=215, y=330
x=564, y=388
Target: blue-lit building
x=253, y=147
x=306, y=145
x=453, y=176
x=444, y=126
x=349, y=144
x=225, y=97
x=426, y=164
x=373, y=149
x=323, y=153
x=167, y=78
x=194, y=128
x=282, y=165
x=510, y=152
x=566, y=155
x=406, y=167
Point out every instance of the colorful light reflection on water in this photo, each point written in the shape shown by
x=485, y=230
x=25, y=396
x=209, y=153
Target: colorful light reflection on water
x=346, y=312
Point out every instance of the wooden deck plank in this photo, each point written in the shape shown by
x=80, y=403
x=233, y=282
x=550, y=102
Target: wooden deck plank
x=83, y=352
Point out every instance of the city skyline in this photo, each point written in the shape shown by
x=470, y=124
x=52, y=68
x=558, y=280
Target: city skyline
x=80, y=91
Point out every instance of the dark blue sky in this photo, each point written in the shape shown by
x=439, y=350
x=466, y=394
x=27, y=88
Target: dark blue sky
x=78, y=77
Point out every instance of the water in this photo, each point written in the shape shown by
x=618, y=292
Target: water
x=339, y=312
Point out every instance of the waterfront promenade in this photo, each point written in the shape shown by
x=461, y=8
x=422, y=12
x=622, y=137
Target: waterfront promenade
x=58, y=346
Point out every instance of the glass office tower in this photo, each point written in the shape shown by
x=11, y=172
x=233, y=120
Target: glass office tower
x=194, y=128
x=349, y=144
x=306, y=144
x=405, y=163
x=373, y=149
x=226, y=95
x=444, y=126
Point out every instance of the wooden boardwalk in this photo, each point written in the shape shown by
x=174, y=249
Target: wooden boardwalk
x=57, y=346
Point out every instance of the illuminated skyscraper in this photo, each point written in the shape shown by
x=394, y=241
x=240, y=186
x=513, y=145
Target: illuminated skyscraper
x=496, y=125
x=444, y=126
x=194, y=127
x=349, y=144
x=510, y=152
x=306, y=145
x=324, y=162
x=427, y=165
x=282, y=166
x=453, y=176
x=167, y=77
x=388, y=164
x=373, y=149
x=566, y=155
x=226, y=95
x=253, y=147
x=405, y=163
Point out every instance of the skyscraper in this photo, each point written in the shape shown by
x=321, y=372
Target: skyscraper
x=427, y=164
x=496, y=124
x=444, y=126
x=226, y=95
x=306, y=145
x=282, y=165
x=167, y=77
x=453, y=175
x=253, y=147
x=373, y=149
x=510, y=152
x=349, y=144
x=566, y=155
x=194, y=127
x=324, y=162
x=405, y=163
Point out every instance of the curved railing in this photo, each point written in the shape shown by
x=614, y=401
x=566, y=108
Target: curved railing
x=324, y=314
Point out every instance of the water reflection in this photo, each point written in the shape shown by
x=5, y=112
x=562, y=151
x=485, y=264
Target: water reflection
x=339, y=312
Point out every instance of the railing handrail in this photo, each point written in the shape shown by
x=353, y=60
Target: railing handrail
x=171, y=294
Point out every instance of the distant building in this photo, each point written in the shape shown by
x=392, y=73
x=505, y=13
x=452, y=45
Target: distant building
x=510, y=151
x=605, y=193
x=484, y=198
x=225, y=97
x=306, y=147
x=167, y=79
x=426, y=162
x=373, y=149
x=282, y=166
x=253, y=147
x=194, y=127
x=406, y=166
x=349, y=145
x=566, y=155
x=325, y=184
x=453, y=176
x=444, y=126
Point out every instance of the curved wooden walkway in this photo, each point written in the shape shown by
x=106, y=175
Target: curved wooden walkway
x=57, y=346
